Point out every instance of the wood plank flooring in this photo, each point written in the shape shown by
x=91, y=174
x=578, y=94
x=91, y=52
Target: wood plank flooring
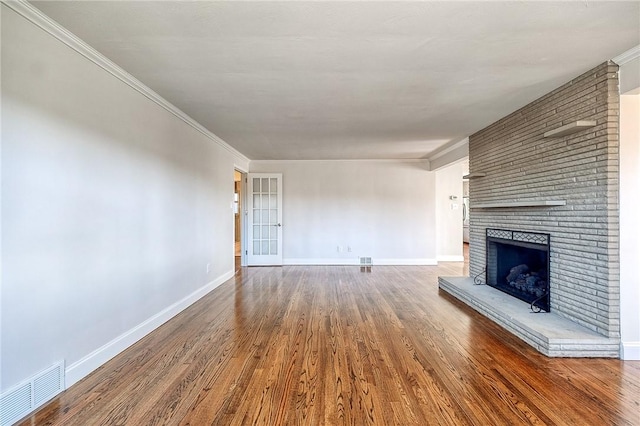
x=333, y=345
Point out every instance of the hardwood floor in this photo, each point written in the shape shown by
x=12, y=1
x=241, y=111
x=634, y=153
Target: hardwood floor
x=333, y=345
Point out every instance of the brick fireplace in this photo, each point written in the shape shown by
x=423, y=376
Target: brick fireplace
x=552, y=168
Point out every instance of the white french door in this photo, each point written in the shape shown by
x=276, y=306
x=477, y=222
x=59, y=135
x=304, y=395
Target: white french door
x=264, y=211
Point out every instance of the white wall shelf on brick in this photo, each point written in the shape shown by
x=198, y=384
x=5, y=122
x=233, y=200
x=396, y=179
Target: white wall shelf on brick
x=474, y=175
x=570, y=128
x=530, y=203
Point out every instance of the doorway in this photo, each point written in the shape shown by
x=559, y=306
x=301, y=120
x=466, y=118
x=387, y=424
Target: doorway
x=238, y=195
x=264, y=230
x=465, y=210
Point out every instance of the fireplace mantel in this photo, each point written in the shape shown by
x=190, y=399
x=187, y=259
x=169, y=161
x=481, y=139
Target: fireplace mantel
x=513, y=204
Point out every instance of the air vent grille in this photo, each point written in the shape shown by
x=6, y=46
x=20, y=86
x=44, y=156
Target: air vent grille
x=15, y=404
x=365, y=261
x=47, y=384
x=28, y=396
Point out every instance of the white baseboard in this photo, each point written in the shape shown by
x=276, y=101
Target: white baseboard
x=450, y=258
x=311, y=261
x=81, y=368
x=405, y=262
x=630, y=351
x=356, y=261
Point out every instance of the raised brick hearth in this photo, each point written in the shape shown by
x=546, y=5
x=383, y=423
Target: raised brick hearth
x=577, y=176
x=549, y=333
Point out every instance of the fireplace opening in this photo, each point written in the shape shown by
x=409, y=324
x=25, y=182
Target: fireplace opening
x=518, y=264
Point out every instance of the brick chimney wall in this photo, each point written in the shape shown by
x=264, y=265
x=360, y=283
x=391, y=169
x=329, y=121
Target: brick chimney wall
x=580, y=168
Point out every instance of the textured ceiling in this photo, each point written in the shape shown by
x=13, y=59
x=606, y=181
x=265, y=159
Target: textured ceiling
x=343, y=80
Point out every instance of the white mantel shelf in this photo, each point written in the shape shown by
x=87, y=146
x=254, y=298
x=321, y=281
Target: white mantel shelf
x=474, y=175
x=528, y=203
x=570, y=128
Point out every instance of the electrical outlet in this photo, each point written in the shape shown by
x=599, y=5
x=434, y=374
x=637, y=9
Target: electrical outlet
x=208, y=268
x=349, y=249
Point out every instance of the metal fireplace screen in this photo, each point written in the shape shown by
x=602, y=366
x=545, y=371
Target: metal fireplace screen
x=518, y=264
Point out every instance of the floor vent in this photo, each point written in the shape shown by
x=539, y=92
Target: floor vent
x=21, y=400
x=365, y=261
x=365, y=264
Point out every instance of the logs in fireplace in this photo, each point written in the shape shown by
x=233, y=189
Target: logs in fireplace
x=518, y=264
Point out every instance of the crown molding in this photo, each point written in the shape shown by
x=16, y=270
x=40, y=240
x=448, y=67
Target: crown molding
x=447, y=149
x=345, y=160
x=35, y=16
x=629, y=55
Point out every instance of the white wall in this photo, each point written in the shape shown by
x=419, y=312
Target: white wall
x=629, y=226
x=449, y=213
x=111, y=209
x=382, y=209
x=630, y=76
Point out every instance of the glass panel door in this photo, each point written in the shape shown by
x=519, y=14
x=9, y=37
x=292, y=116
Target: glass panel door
x=265, y=216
